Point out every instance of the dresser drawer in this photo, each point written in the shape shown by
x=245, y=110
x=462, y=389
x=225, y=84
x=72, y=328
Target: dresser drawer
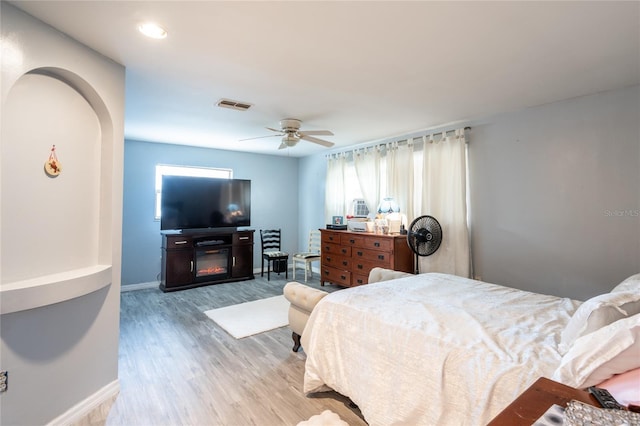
x=336, y=276
x=372, y=255
x=378, y=243
x=242, y=238
x=336, y=261
x=352, y=240
x=330, y=237
x=330, y=248
x=357, y=279
x=178, y=241
x=359, y=266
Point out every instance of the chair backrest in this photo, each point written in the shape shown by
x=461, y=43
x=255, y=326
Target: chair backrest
x=314, y=241
x=270, y=239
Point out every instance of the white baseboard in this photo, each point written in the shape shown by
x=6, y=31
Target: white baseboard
x=139, y=286
x=83, y=408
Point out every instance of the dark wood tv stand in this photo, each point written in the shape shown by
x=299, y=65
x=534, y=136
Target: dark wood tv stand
x=196, y=258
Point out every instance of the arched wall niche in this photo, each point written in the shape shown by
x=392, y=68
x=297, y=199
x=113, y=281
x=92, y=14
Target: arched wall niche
x=57, y=242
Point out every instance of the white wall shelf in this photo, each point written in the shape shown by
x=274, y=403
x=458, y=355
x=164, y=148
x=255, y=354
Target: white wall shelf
x=54, y=288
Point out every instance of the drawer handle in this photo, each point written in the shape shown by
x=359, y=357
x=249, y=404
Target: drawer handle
x=330, y=238
x=359, y=253
x=381, y=256
x=345, y=263
x=360, y=266
x=352, y=241
x=180, y=242
x=191, y=266
x=342, y=277
x=326, y=273
x=377, y=244
x=243, y=238
x=360, y=281
x=328, y=258
x=344, y=251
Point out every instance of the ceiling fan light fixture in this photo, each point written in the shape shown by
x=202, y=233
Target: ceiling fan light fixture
x=152, y=30
x=290, y=139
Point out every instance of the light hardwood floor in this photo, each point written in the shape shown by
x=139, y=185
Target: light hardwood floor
x=177, y=367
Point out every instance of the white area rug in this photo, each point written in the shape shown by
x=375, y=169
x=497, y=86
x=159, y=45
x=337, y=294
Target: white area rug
x=247, y=319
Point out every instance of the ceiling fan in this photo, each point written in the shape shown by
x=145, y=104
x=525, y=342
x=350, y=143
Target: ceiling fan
x=291, y=134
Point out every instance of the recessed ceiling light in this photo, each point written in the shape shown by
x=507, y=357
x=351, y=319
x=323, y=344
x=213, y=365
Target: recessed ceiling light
x=152, y=30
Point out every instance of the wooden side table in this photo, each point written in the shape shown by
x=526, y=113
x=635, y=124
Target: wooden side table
x=537, y=399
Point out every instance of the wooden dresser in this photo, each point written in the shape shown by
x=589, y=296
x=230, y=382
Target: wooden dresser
x=348, y=257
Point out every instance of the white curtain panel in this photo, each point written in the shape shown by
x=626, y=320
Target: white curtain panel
x=434, y=185
x=367, y=165
x=400, y=179
x=335, y=202
x=444, y=197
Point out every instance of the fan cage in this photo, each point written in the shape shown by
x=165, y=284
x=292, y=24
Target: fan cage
x=424, y=236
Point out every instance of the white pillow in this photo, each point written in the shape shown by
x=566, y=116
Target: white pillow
x=598, y=312
x=597, y=356
x=630, y=284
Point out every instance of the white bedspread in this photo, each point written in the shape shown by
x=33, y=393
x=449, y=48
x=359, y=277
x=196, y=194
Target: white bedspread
x=432, y=349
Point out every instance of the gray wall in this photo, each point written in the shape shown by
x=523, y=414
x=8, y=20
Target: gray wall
x=62, y=356
x=274, y=199
x=554, y=194
x=313, y=172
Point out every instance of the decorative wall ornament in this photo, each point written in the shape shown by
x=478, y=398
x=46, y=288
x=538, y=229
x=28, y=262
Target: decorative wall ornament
x=52, y=166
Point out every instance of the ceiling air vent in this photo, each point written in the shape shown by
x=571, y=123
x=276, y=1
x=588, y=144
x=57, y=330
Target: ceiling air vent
x=228, y=103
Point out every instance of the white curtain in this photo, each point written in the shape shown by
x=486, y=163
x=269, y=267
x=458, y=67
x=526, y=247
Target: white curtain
x=400, y=177
x=335, y=202
x=367, y=164
x=428, y=182
x=444, y=197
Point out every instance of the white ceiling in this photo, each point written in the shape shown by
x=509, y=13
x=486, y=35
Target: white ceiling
x=364, y=70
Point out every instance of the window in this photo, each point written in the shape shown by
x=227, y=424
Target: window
x=162, y=169
x=352, y=189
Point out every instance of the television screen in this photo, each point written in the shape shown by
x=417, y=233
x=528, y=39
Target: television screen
x=200, y=202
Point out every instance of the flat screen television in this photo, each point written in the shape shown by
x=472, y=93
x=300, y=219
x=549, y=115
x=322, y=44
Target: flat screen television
x=189, y=203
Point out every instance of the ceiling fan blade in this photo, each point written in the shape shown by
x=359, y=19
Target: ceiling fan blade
x=283, y=146
x=258, y=137
x=316, y=132
x=275, y=130
x=316, y=140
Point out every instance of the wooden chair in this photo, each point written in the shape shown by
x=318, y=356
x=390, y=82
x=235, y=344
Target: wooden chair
x=272, y=252
x=307, y=258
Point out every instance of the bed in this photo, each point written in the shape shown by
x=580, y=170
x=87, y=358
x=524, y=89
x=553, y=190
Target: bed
x=436, y=349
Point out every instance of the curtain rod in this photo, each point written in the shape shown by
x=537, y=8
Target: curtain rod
x=398, y=140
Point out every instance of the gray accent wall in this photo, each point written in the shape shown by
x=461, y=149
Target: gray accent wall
x=274, y=199
x=554, y=194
